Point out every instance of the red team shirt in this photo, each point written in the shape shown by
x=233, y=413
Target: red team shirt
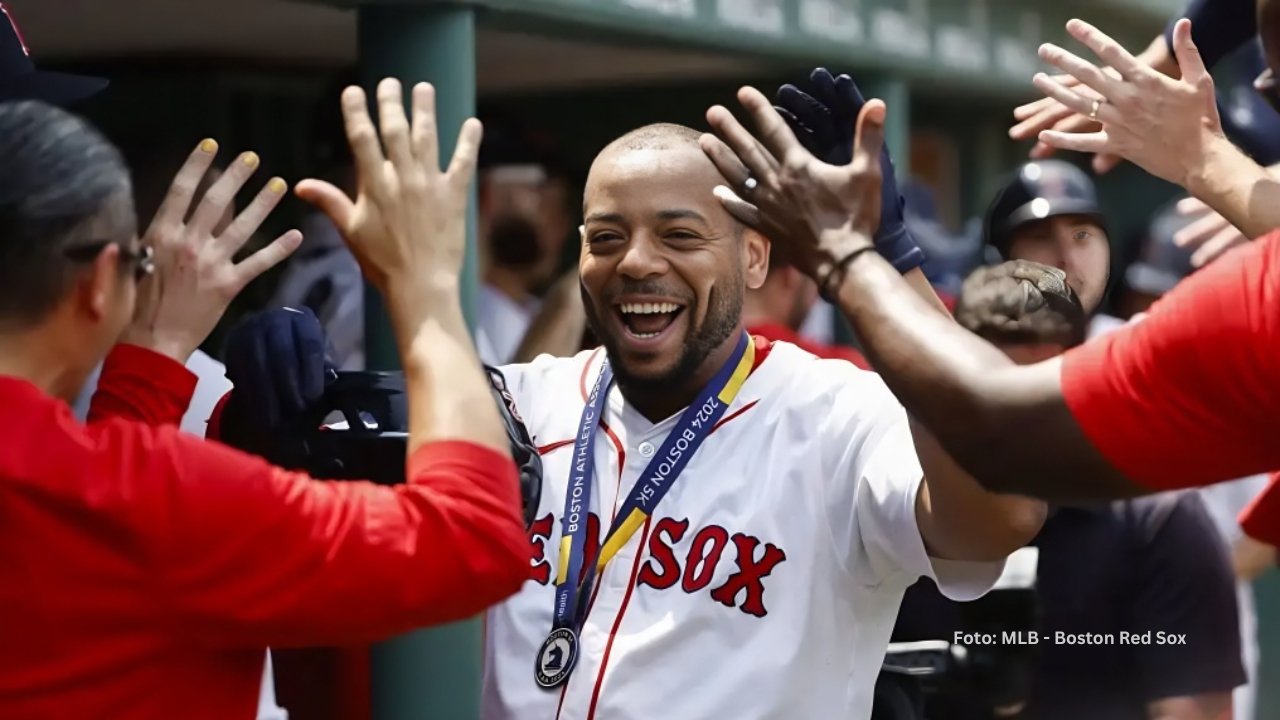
x=1191, y=395
x=146, y=570
x=781, y=333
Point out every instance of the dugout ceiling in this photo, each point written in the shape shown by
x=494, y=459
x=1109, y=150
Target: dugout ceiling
x=980, y=46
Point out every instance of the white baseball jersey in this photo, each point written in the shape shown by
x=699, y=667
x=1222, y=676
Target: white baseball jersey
x=766, y=582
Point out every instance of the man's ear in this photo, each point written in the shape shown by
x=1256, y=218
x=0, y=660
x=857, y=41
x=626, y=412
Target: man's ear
x=756, y=254
x=96, y=289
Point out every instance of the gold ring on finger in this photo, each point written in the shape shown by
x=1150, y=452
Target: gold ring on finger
x=1093, y=111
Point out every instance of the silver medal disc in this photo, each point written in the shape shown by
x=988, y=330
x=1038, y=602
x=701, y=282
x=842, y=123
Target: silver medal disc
x=556, y=658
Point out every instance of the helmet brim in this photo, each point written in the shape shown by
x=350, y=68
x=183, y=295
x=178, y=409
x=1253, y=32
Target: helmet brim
x=1040, y=209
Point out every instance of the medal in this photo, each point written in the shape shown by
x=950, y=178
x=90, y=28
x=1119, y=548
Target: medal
x=556, y=658
x=574, y=582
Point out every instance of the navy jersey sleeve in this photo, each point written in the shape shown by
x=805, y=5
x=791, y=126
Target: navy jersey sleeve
x=1185, y=596
x=1217, y=26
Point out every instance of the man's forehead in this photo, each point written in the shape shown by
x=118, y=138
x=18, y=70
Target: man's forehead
x=651, y=176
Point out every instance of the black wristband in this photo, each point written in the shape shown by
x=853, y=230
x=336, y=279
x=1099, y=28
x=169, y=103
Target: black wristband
x=837, y=273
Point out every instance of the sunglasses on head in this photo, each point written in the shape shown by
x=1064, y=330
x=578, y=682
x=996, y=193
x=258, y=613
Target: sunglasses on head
x=142, y=262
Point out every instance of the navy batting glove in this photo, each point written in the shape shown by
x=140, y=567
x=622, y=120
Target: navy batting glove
x=279, y=364
x=825, y=123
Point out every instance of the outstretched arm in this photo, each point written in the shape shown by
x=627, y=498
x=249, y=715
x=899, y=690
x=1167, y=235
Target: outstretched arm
x=1168, y=127
x=1180, y=399
x=958, y=518
x=996, y=418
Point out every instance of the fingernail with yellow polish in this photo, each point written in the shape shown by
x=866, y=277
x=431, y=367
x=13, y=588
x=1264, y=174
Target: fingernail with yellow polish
x=208, y=145
x=276, y=185
x=251, y=159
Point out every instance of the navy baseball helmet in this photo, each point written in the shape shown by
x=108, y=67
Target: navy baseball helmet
x=1039, y=190
x=1162, y=264
x=20, y=80
x=1247, y=116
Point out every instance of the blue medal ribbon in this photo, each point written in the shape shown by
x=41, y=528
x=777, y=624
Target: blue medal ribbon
x=573, y=585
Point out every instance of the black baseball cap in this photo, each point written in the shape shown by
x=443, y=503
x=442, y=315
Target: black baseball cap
x=20, y=80
x=1039, y=190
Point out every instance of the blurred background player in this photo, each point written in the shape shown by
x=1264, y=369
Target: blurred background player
x=948, y=257
x=323, y=275
x=525, y=304
x=1161, y=263
x=1148, y=564
x=779, y=308
x=1048, y=212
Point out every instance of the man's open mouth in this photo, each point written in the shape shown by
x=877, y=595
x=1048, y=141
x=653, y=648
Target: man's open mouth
x=645, y=320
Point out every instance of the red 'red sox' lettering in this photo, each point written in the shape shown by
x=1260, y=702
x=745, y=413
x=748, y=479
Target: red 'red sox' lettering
x=661, y=556
x=750, y=575
x=694, y=568
x=705, y=550
x=539, y=533
x=705, y=553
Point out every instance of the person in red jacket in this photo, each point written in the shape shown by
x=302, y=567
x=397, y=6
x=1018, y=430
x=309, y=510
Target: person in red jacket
x=778, y=308
x=1184, y=398
x=144, y=570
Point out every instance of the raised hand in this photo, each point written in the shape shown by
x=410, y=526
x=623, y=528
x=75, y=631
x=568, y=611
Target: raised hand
x=1164, y=125
x=824, y=123
x=409, y=218
x=407, y=228
x=1209, y=233
x=821, y=213
x=196, y=275
x=1050, y=114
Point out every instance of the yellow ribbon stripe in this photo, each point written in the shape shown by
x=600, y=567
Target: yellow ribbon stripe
x=566, y=546
x=739, y=375
x=638, y=517
x=620, y=538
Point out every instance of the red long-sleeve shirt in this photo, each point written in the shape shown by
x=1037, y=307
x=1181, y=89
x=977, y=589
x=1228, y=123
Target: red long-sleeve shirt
x=144, y=571
x=1191, y=395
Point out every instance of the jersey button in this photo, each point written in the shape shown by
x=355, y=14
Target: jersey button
x=646, y=449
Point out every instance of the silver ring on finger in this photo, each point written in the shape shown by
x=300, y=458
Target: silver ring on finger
x=750, y=184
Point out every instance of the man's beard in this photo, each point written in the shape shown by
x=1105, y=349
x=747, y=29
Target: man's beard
x=723, y=315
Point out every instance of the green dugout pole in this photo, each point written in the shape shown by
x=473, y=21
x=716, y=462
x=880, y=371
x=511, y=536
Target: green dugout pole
x=431, y=674
x=896, y=95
